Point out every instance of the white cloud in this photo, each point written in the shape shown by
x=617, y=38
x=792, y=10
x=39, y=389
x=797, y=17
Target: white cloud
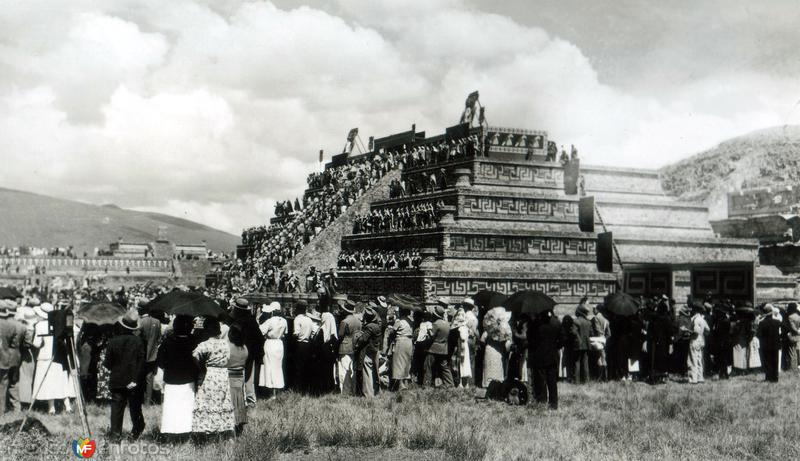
x=214, y=110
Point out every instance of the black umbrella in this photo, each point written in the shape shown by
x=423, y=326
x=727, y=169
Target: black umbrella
x=189, y=303
x=404, y=301
x=529, y=302
x=9, y=293
x=489, y=299
x=621, y=304
x=101, y=313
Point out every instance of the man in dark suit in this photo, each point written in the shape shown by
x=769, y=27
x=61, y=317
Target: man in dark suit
x=769, y=338
x=254, y=341
x=439, y=350
x=12, y=334
x=582, y=330
x=348, y=328
x=544, y=341
x=150, y=332
x=125, y=359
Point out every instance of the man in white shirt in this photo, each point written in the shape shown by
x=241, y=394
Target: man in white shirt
x=696, y=345
x=303, y=331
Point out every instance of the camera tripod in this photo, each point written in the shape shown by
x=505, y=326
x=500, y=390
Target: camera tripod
x=72, y=365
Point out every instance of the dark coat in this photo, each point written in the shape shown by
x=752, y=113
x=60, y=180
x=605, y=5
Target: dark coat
x=150, y=331
x=582, y=330
x=769, y=334
x=12, y=335
x=348, y=327
x=175, y=358
x=545, y=338
x=125, y=358
x=253, y=338
x=440, y=334
x=370, y=339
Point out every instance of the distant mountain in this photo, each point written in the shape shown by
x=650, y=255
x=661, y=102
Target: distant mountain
x=763, y=158
x=36, y=220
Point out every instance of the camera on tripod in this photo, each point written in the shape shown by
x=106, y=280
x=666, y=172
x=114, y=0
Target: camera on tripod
x=60, y=324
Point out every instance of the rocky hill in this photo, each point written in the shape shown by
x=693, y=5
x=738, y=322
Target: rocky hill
x=763, y=158
x=28, y=219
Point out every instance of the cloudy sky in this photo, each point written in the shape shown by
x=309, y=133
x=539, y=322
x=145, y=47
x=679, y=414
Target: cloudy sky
x=212, y=110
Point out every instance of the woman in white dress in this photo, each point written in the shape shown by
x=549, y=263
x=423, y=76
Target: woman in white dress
x=462, y=362
x=52, y=380
x=274, y=330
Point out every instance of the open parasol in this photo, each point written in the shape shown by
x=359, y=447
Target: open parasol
x=101, y=313
x=489, y=299
x=404, y=301
x=529, y=302
x=621, y=304
x=189, y=303
x=9, y=293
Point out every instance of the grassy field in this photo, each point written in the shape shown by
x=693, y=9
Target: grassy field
x=737, y=420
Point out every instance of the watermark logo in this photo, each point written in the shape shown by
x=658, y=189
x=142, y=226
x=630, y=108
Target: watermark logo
x=84, y=448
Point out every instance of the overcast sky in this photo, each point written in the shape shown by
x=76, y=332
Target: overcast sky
x=212, y=110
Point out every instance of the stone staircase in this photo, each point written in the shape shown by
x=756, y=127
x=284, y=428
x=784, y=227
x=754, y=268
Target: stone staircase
x=323, y=250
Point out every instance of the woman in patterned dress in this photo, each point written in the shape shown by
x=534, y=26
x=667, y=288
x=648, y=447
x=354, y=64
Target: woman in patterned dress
x=213, y=409
x=497, y=340
x=103, y=373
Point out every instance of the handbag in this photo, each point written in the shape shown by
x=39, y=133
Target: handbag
x=597, y=343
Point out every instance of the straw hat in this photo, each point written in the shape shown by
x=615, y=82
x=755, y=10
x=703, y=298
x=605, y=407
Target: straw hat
x=242, y=304
x=130, y=320
x=43, y=309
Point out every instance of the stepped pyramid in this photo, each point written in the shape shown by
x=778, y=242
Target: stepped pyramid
x=505, y=224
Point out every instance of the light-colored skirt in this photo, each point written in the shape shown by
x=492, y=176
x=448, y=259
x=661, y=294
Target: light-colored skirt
x=25, y=384
x=57, y=384
x=746, y=357
x=493, y=367
x=176, y=411
x=271, y=375
x=401, y=358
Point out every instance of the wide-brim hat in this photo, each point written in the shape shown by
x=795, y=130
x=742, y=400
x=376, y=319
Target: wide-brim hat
x=382, y=301
x=26, y=313
x=348, y=306
x=5, y=307
x=369, y=314
x=43, y=309
x=273, y=307
x=242, y=304
x=130, y=320
x=439, y=311
x=468, y=302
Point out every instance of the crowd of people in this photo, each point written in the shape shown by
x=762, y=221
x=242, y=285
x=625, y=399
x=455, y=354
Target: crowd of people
x=18, y=251
x=332, y=191
x=389, y=260
x=390, y=219
x=207, y=371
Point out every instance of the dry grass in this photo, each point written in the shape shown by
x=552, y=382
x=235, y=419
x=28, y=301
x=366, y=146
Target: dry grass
x=740, y=419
